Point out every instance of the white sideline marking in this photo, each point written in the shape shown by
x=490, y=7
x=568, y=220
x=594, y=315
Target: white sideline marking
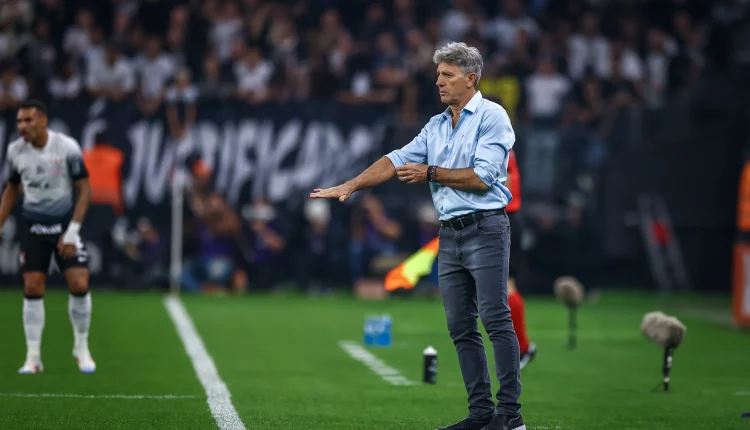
x=386, y=372
x=99, y=396
x=219, y=397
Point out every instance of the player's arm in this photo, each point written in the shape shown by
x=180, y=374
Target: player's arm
x=80, y=177
x=83, y=189
x=11, y=193
x=10, y=196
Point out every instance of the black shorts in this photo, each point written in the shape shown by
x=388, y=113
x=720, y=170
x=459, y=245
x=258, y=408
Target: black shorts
x=516, y=252
x=39, y=245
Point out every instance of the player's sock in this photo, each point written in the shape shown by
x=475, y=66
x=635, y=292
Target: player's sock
x=79, y=309
x=517, y=314
x=33, y=325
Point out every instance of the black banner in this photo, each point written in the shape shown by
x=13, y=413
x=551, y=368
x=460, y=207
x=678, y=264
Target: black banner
x=277, y=151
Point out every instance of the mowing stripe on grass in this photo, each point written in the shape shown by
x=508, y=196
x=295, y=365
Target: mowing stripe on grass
x=219, y=397
x=99, y=396
x=386, y=372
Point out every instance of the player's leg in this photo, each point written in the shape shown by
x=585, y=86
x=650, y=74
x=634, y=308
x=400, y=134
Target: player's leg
x=515, y=300
x=79, y=309
x=76, y=273
x=33, y=260
x=33, y=320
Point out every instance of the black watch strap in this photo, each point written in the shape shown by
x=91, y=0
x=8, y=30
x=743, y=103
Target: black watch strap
x=431, y=173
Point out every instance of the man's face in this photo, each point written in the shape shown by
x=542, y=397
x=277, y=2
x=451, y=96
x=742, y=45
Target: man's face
x=31, y=123
x=452, y=83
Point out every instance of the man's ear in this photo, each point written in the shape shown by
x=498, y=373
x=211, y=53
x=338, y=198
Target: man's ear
x=472, y=79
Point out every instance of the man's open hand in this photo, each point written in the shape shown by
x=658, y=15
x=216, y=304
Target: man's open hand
x=341, y=192
x=412, y=173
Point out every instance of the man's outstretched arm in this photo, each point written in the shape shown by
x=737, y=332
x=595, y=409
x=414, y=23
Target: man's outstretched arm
x=379, y=172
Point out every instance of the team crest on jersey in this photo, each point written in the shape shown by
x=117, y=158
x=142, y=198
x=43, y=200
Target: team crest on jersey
x=57, y=166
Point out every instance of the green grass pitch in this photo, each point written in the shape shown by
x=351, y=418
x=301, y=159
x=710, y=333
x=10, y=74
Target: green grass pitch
x=281, y=360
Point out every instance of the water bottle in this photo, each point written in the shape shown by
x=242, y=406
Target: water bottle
x=430, y=365
x=377, y=331
x=370, y=330
x=384, y=334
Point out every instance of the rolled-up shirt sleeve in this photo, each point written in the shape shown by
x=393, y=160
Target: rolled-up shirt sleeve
x=496, y=138
x=413, y=152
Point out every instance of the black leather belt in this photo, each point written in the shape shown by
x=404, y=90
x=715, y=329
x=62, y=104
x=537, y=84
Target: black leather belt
x=464, y=221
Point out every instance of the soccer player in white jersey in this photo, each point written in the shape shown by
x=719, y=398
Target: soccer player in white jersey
x=45, y=166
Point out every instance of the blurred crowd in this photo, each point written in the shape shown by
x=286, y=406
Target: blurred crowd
x=539, y=53
x=566, y=67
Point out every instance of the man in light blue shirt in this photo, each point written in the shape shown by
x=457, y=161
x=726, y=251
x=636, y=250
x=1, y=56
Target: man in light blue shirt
x=463, y=154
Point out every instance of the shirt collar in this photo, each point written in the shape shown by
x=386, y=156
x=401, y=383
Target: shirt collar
x=472, y=106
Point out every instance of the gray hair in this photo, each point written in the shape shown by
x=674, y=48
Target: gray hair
x=466, y=57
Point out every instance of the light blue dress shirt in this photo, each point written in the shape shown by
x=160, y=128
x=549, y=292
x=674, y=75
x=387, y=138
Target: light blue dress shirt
x=482, y=139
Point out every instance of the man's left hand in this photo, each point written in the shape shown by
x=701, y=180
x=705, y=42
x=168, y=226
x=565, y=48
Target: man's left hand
x=412, y=173
x=66, y=250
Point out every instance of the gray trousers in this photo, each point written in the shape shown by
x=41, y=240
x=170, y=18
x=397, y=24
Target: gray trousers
x=473, y=270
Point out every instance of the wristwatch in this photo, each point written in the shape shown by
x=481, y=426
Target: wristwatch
x=431, y=173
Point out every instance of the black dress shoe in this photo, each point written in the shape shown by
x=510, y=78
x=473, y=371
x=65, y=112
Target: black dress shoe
x=468, y=424
x=504, y=422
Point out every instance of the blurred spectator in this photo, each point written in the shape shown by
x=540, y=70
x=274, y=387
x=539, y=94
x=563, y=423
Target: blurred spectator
x=182, y=97
x=175, y=46
x=214, y=267
x=213, y=86
x=588, y=49
x=113, y=78
x=504, y=28
x=376, y=22
x=253, y=76
x=16, y=17
x=155, y=68
x=500, y=83
x=659, y=52
x=77, y=39
x=459, y=20
x=269, y=242
x=148, y=252
x=428, y=225
x=546, y=90
x=374, y=232
x=418, y=54
x=328, y=33
x=19, y=13
x=40, y=54
x=341, y=54
x=315, y=260
x=97, y=46
x=67, y=82
x=227, y=23
x=13, y=88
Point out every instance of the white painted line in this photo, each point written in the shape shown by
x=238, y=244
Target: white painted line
x=386, y=372
x=219, y=397
x=100, y=396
